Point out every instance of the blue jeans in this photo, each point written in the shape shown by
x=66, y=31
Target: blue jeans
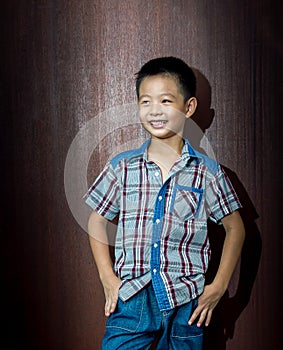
x=137, y=322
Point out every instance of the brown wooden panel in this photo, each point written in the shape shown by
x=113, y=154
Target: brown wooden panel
x=66, y=62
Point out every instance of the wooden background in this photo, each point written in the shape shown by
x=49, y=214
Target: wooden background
x=64, y=63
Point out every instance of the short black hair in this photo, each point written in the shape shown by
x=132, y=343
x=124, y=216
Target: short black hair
x=169, y=66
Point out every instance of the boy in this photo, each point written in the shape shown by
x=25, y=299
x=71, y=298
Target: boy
x=163, y=194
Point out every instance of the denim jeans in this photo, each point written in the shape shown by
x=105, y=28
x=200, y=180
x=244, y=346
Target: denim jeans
x=137, y=322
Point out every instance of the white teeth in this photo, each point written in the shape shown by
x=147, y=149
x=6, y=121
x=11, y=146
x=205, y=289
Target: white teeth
x=158, y=122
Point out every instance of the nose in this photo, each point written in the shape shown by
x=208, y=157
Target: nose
x=156, y=110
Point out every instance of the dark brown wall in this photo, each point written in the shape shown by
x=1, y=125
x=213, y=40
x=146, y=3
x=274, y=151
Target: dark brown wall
x=63, y=63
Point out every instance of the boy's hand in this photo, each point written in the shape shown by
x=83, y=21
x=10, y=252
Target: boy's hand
x=206, y=303
x=111, y=286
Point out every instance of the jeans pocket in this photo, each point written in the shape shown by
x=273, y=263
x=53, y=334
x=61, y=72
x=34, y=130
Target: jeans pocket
x=128, y=314
x=180, y=327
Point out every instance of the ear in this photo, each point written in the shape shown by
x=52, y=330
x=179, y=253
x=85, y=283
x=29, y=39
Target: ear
x=191, y=106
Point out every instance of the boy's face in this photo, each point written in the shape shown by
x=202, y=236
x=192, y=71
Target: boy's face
x=162, y=109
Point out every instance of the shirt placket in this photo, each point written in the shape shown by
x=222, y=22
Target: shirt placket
x=160, y=285
x=156, y=277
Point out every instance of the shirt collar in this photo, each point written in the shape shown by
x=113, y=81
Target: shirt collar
x=187, y=151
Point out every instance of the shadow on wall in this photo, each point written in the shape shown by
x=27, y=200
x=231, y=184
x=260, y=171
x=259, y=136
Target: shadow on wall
x=196, y=126
x=229, y=308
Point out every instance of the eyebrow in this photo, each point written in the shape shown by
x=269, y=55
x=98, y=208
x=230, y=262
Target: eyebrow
x=160, y=95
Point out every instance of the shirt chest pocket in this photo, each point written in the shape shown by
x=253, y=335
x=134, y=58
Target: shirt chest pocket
x=186, y=202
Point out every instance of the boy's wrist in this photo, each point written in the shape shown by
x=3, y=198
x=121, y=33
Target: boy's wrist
x=220, y=286
x=106, y=275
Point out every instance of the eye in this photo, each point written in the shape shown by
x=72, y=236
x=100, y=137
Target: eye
x=144, y=102
x=166, y=101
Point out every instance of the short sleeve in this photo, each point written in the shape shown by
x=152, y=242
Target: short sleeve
x=104, y=195
x=221, y=197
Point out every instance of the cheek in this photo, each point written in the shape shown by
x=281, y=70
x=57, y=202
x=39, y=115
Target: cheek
x=143, y=114
x=177, y=116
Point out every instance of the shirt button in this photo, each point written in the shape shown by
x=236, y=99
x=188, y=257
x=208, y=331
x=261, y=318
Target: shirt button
x=157, y=221
x=160, y=198
x=155, y=245
x=154, y=271
x=156, y=173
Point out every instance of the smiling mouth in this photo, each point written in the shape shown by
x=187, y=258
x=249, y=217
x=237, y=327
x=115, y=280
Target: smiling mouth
x=158, y=123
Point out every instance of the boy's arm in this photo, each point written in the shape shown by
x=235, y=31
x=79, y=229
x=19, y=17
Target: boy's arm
x=235, y=235
x=100, y=250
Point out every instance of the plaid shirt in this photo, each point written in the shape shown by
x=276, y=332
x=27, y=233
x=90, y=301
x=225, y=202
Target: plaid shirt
x=162, y=227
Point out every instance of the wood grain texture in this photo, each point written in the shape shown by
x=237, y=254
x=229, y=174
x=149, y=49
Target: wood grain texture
x=67, y=62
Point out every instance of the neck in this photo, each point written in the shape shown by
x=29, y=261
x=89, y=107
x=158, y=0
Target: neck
x=165, y=154
x=165, y=146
